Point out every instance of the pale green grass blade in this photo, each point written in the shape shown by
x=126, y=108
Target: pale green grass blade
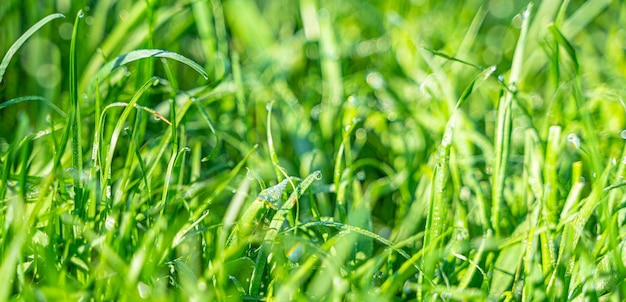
x=503, y=132
x=332, y=95
x=17, y=44
x=76, y=123
x=12, y=245
x=143, y=54
x=280, y=174
x=118, y=130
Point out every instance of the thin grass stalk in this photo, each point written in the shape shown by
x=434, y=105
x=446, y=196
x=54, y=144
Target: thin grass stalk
x=503, y=124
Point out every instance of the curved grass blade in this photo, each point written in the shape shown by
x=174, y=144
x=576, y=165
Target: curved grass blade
x=364, y=232
x=143, y=54
x=33, y=98
x=13, y=49
x=118, y=129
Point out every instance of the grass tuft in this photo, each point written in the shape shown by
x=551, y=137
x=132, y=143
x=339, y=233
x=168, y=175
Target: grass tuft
x=312, y=150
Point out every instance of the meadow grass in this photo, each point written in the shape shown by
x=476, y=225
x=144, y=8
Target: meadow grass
x=300, y=150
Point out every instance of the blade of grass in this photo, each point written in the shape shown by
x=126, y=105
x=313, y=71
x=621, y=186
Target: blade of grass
x=142, y=54
x=75, y=123
x=22, y=39
x=503, y=131
x=275, y=226
x=117, y=131
x=33, y=98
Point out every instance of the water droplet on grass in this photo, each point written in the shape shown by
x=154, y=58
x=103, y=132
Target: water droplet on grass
x=318, y=175
x=573, y=139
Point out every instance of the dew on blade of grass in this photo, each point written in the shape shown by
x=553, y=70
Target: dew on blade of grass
x=143, y=289
x=573, y=139
x=315, y=112
x=360, y=175
x=317, y=174
x=352, y=99
x=81, y=14
x=361, y=134
x=109, y=223
x=375, y=80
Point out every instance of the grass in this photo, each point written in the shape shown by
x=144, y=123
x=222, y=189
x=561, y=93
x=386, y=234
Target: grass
x=297, y=150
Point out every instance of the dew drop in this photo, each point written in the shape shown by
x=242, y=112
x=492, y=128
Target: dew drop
x=361, y=134
x=623, y=134
x=375, y=80
x=268, y=106
x=185, y=149
x=317, y=174
x=573, y=139
x=109, y=223
x=81, y=14
x=613, y=161
x=315, y=112
x=360, y=175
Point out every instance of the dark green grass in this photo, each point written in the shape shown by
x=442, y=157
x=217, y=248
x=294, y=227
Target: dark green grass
x=329, y=150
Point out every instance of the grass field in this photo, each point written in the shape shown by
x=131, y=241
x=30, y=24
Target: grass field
x=312, y=150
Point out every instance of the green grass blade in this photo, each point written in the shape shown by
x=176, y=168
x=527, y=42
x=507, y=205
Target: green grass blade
x=76, y=123
x=143, y=54
x=33, y=98
x=503, y=131
x=118, y=130
x=275, y=226
x=17, y=44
